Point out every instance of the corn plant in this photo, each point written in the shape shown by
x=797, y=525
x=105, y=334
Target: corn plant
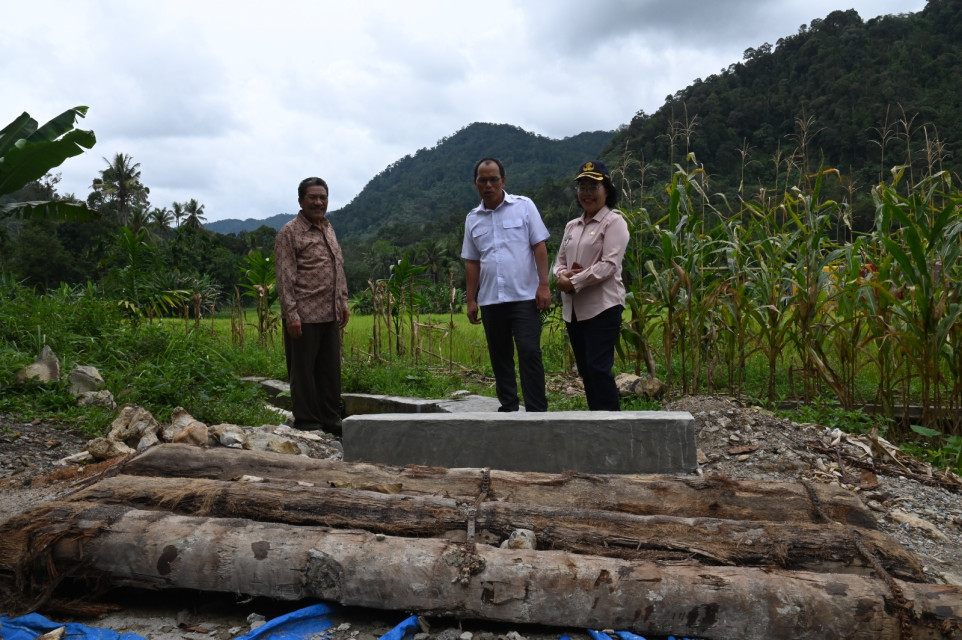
x=921, y=232
x=813, y=276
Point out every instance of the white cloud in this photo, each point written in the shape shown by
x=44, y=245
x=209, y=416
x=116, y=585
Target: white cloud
x=234, y=104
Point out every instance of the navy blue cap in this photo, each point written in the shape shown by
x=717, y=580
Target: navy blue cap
x=594, y=170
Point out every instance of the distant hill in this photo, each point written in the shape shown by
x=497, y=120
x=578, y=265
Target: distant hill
x=232, y=225
x=433, y=183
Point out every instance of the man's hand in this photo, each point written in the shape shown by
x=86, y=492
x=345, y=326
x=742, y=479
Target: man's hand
x=345, y=316
x=543, y=297
x=473, y=312
x=294, y=329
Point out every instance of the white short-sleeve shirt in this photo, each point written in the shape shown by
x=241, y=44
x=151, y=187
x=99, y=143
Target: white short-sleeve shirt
x=502, y=240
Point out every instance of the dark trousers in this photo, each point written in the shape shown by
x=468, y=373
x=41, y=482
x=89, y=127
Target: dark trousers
x=593, y=343
x=314, y=372
x=506, y=326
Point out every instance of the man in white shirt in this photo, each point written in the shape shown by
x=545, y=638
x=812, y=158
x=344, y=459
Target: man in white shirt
x=506, y=268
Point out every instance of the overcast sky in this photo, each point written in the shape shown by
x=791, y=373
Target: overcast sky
x=234, y=103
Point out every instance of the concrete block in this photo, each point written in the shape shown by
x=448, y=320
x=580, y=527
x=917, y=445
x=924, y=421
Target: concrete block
x=598, y=442
x=366, y=403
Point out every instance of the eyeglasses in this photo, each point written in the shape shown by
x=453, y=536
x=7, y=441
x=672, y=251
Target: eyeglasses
x=488, y=180
x=587, y=187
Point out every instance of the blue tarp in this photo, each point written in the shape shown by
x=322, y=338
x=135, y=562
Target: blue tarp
x=297, y=625
x=303, y=623
x=32, y=625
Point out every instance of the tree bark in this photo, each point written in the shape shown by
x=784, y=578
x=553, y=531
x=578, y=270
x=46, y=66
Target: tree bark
x=152, y=549
x=825, y=547
x=695, y=497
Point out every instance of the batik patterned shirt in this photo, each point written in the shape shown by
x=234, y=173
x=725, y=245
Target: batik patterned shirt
x=309, y=268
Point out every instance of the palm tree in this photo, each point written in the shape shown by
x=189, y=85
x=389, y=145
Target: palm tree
x=433, y=254
x=161, y=217
x=194, y=212
x=120, y=186
x=139, y=220
x=178, y=213
x=380, y=256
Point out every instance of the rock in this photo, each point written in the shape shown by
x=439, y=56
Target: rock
x=187, y=429
x=179, y=419
x=82, y=457
x=626, y=383
x=102, y=398
x=84, y=379
x=651, y=388
x=918, y=523
x=283, y=446
x=135, y=427
x=256, y=620
x=448, y=634
x=521, y=539
x=194, y=434
x=105, y=448
x=231, y=435
x=645, y=386
x=44, y=369
x=55, y=634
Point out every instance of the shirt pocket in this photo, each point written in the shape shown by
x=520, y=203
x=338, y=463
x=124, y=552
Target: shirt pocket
x=481, y=237
x=514, y=230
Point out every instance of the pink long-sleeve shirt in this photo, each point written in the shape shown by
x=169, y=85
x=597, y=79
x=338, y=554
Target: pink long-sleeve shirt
x=598, y=245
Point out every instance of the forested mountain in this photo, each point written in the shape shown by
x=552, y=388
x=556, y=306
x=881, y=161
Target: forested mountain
x=433, y=183
x=858, y=96
x=233, y=225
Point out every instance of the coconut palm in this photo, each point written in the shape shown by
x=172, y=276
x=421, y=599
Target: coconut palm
x=119, y=186
x=193, y=212
x=161, y=217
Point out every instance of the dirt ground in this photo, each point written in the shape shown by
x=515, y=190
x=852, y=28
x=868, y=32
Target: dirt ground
x=921, y=509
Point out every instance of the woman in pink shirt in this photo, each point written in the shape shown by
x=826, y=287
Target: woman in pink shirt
x=588, y=273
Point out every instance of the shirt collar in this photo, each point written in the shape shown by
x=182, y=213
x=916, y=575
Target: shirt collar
x=508, y=199
x=305, y=222
x=598, y=217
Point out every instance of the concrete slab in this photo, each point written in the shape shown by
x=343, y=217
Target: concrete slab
x=366, y=403
x=601, y=442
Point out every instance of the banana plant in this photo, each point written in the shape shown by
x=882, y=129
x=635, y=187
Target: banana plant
x=260, y=284
x=29, y=151
x=401, y=285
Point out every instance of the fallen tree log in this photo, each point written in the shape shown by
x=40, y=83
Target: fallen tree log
x=709, y=497
x=825, y=547
x=157, y=550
